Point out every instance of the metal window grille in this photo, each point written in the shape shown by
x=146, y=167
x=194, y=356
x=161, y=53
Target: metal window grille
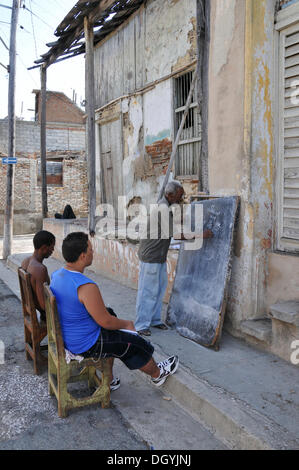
x=189, y=146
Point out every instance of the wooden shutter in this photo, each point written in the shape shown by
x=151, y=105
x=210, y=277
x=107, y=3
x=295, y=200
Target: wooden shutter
x=288, y=158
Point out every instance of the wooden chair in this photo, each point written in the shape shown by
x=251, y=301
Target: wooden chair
x=60, y=373
x=34, y=331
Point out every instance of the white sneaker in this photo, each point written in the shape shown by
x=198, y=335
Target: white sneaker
x=167, y=367
x=114, y=384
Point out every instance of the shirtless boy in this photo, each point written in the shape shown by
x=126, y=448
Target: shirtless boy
x=43, y=243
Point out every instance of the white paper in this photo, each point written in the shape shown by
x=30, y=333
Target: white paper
x=129, y=331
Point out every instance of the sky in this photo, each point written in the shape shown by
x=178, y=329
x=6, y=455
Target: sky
x=36, y=25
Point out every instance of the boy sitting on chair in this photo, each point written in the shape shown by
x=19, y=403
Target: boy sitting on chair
x=87, y=326
x=44, y=243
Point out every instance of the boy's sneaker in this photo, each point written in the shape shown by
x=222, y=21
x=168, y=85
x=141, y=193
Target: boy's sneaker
x=167, y=367
x=114, y=384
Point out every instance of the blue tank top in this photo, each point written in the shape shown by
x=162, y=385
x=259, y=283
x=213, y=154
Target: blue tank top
x=79, y=330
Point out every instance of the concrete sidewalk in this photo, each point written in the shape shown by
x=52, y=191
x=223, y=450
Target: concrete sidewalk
x=246, y=398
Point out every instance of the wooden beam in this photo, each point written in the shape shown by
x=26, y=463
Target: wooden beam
x=43, y=148
x=205, y=98
x=104, y=5
x=74, y=21
x=90, y=109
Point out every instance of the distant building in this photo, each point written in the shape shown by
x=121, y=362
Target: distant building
x=66, y=163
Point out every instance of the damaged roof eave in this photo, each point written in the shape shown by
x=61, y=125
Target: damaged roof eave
x=70, y=31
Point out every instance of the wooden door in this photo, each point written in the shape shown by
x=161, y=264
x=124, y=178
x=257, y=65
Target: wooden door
x=111, y=156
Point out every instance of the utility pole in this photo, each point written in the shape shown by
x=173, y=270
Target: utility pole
x=90, y=106
x=43, y=149
x=9, y=209
x=203, y=8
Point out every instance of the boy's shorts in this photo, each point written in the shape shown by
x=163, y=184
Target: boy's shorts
x=133, y=350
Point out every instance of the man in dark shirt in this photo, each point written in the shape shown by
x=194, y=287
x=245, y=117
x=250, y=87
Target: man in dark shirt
x=152, y=253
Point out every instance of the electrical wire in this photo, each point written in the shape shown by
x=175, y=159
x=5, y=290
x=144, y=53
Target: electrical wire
x=34, y=14
x=32, y=24
x=4, y=43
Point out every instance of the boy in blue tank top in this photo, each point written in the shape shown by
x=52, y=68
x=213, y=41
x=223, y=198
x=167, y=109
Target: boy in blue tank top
x=88, y=328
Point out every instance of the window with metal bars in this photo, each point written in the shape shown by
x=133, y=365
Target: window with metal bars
x=188, y=152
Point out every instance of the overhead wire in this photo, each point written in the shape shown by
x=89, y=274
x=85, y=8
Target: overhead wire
x=32, y=24
x=34, y=14
x=4, y=43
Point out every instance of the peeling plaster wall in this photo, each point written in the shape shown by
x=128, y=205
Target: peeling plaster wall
x=241, y=79
x=229, y=172
x=135, y=57
x=226, y=99
x=140, y=52
x=262, y=142
x=164, y=20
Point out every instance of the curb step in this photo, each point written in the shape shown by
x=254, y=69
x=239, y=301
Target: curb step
x=230, y=420
x=287, y=312
x=260, y=329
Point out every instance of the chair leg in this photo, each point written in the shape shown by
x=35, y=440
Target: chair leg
x=51, y=372
x=62, y=398
x=91, y=377
x=106, y=371
x=36, y=359
x=28, y=340
x=62, y=411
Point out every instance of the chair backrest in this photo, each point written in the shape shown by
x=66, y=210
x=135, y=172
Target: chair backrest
x=28, y=304
x=53, y=323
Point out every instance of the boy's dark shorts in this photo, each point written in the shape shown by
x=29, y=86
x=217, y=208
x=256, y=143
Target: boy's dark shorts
x=133, y=350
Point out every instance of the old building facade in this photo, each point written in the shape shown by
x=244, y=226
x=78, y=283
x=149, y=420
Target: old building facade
x=66, y=164
x=143, y=71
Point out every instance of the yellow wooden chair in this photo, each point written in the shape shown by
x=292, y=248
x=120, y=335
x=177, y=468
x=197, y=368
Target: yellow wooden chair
x=34, y=331
x=60, y=373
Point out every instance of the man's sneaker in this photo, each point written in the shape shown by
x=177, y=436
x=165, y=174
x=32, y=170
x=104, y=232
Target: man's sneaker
x=114, y=384
x=146, y=332
x=167, y=367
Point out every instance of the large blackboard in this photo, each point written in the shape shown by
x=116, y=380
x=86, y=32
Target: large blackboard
x=198, y=299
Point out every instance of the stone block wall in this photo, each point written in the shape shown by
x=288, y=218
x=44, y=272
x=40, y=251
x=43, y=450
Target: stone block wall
x=58, y=136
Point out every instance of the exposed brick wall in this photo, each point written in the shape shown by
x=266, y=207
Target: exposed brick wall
x=22, y=199
x=160, y=152
x=27, y=194
x=74, y=190
x=59, y=108
x=65, y=139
